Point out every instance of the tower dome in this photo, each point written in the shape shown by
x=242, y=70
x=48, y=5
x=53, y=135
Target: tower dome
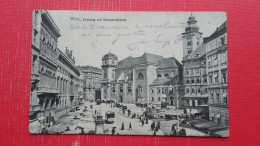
x=192, y=27
x=110, y=55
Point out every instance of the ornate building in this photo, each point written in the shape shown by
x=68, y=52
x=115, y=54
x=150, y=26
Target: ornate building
x=216, y=46
x=194, y=70
x=92, y=77
x=67, y=83
x=54, y=77
x=129, y=80
x=44, y=66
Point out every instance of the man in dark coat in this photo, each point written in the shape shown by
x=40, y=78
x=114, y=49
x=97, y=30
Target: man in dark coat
x=130, y=126
x=113, y=131
x=142, y=122
x=173, y=127
x=123, y=126
x=146, y=120
x=158, y=125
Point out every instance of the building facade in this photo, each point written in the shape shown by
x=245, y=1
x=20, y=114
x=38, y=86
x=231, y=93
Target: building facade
x=163, y=89
x=194, y=71
x=216, y=47
x=45, y=37
x=67, y=82
x=92, y=77
x=54, y=77
x=130, y=80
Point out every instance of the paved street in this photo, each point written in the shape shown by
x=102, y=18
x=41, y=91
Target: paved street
x=84, y=122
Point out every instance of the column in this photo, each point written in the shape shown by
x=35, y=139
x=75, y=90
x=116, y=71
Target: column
x=134, y=88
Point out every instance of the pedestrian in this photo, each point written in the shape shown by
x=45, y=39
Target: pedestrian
x=146, y=120
x=154, y=132
x=130, y=126
x=152, y=126
x=123, y=126
x=174, y=132
x=142, y=122
x=158, y=125
x=173, y=127
x=113, y=131
x=184, y=132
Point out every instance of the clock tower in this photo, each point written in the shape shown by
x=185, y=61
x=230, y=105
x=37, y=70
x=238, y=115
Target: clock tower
x=192, y=38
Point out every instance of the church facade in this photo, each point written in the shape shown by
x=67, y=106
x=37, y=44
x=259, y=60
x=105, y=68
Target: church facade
x=133, y=79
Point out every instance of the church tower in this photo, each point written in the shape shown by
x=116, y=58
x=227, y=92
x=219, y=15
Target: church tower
x=192, y=38
x=109, y=65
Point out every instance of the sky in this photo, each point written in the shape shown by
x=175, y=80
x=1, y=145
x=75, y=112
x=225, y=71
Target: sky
x=92, y=34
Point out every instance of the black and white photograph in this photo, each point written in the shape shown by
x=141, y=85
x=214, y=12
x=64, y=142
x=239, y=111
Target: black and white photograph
x=129, y=73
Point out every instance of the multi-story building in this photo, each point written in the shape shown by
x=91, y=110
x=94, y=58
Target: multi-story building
x=67, y=83
x=54, y=77
x=163, y=88
x=129, y=80
x=45, y=37
x=92, y=77
x=194, y=71
x=216, y=48
x=34, y=101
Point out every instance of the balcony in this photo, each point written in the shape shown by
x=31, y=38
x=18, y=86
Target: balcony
x=34, y=108
x=42, y=90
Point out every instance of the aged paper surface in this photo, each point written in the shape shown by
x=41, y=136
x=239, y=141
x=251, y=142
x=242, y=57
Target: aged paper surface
x=129, y=73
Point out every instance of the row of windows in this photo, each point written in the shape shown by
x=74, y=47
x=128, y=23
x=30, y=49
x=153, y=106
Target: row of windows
x=107, y=61
x=214, y=77
x=196, y=91
x=165, y=75
x=196, y=80
x=194, y=71
x=163, y=90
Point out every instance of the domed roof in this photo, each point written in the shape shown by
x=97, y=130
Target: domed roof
x=192, y=27
x=110, y=55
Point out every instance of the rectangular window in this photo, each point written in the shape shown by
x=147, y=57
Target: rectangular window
x=216, y=77
x=189, y=43
x=224, y=77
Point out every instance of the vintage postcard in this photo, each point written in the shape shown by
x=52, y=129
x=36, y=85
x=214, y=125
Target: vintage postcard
x=129, y=73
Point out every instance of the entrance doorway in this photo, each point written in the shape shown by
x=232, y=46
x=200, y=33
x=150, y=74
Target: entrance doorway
x=121, y=99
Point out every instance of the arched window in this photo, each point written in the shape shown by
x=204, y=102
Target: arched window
x=166, y=75
x=187, y=90
x=140, y=76
x=159, y=75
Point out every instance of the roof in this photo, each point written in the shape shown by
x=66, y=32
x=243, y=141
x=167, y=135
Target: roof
x=201, y=50
x=122, y=73
x=219, y=31
x=161, y=81
x=110, y=55
x=149, y=58
x=128, y=62
x=169, y=62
